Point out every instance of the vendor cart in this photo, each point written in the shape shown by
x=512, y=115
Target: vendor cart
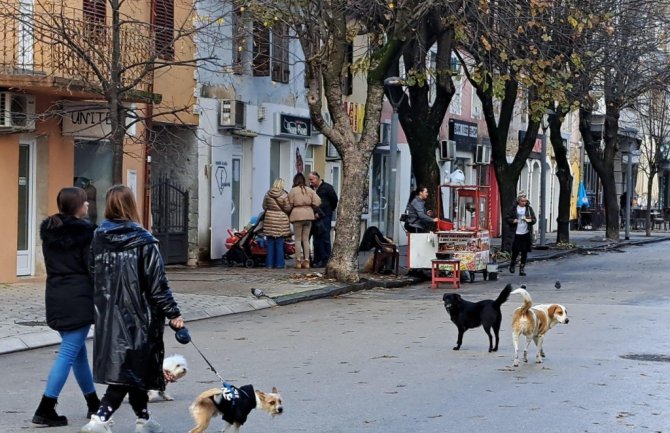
x=464, y=236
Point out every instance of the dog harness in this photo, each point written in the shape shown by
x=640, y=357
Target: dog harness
x=235, y=403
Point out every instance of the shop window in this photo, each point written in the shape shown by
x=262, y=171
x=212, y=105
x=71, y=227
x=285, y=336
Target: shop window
x=93, y=173
x=164, y=28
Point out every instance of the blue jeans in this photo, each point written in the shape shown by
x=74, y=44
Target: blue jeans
x=322, y=247
x=72, y=355
x=275, y=257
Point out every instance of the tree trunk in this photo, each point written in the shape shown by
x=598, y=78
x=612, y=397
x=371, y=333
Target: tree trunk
x=650, y=184
x=564, y=178
x=603, y=164
x=343, y=264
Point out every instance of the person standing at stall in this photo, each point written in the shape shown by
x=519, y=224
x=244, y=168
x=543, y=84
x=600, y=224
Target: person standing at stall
x=132, y=300
x=521, y=219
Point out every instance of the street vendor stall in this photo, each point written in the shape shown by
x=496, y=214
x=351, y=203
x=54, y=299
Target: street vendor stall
x=465, y=238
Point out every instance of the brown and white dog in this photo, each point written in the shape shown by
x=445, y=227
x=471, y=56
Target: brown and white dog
x=234, y=404
x=534, y=321
x=174, y=368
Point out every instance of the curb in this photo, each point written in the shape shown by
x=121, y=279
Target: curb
x=582, y=250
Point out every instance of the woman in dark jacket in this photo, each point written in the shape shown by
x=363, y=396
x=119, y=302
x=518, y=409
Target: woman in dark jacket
x=521, y=219
x=66, y=237
x=132, y=299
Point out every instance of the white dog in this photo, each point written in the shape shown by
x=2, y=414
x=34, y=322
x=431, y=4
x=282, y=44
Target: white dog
x=174, y=368
x=534, y=321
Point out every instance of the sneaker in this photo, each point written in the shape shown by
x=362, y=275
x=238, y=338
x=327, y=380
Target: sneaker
x=97, y=426
x=147, y=426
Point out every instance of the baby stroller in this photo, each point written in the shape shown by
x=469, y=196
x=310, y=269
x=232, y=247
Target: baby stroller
x=248, y=247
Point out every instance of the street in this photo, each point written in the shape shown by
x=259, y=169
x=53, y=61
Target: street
x=382, y=361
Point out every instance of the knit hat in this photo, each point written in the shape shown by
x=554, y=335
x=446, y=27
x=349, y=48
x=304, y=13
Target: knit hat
x=522, y=196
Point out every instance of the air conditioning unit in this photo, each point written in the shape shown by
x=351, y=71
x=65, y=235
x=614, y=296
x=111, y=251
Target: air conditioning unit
x=483, y=154
x=231, y=114
x=17, y=112
x=447, y=150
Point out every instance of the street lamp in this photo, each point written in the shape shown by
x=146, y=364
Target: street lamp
x=391, y=83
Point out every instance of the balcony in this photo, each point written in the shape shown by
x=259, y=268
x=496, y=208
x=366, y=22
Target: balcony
x=56, y=54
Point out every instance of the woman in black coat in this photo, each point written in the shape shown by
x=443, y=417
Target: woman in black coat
x=66, y=237
x=521, y=219
x=132, y=299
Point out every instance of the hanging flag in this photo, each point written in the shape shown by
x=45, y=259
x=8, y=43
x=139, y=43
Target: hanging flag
x=582, y=199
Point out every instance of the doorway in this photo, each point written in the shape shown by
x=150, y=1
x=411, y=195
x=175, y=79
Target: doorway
x=379, y=188
x=26, y=221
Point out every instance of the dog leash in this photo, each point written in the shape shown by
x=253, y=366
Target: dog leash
x=228, y=387
x=182, y=335
x=211, y=367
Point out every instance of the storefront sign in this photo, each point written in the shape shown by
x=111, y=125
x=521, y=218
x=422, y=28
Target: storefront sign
x=293, y=126
x=464, y=134
x=86, y=120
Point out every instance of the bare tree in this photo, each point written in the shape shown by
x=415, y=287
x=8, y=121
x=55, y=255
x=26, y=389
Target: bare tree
x=513, y=50
x=430, y=89
x=325, y=30
x=653, y=111
x=621, y=62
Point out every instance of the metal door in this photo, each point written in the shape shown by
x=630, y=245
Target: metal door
x=169, y=211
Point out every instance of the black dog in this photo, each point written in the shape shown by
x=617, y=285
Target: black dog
x=467, y=315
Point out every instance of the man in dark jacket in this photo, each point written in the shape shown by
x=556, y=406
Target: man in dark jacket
x=326, y=193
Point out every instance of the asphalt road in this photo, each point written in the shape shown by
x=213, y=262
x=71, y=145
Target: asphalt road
x=381, y=360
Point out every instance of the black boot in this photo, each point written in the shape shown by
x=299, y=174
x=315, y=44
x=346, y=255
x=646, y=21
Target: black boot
x=46, y=413
x=522, y=270
x=93, y=404
x=511, y=268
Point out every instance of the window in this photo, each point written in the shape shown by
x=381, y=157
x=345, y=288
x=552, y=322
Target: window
x=348, y=82
x=164, y=28
x=261, y=62
x=95, y=14
x=239, y=41
x=280, y=71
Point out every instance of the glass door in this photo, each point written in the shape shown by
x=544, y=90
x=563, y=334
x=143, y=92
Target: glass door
x=25, y=229
x=235, y=202
x=379, y=184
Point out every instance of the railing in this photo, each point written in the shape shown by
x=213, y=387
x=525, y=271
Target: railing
x=79, y=52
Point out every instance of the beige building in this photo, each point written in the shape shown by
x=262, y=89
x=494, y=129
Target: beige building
x=54, y=121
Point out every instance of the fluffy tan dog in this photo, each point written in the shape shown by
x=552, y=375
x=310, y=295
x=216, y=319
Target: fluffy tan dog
x=234, y=404
x=534, y=321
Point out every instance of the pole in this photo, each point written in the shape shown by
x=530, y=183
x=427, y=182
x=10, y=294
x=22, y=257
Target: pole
x=543, y=191
x=629, y=185
x=393, y=150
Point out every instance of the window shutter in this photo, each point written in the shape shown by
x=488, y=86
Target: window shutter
x=95, y=14
x=164, y=28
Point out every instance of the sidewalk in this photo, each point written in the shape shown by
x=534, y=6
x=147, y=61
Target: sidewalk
x=216, y=291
